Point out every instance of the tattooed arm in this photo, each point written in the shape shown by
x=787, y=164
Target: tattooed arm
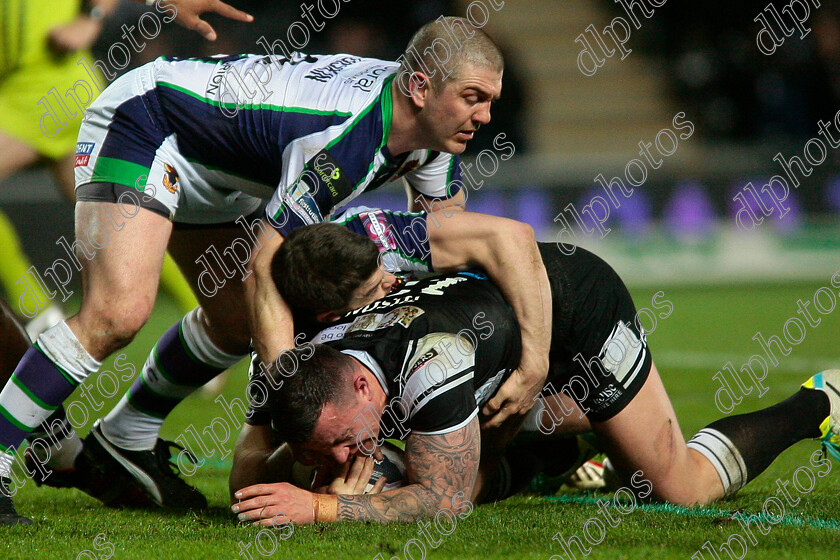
x=442, y=468
x=439, y=466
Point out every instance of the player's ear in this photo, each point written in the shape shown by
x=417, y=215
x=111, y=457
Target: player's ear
x=418, y=86
x=362, y=386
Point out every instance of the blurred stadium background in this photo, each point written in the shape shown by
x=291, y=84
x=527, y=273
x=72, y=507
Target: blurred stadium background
x=567, y=128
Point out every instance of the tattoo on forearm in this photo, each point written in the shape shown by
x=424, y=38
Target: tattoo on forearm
x=440, y=466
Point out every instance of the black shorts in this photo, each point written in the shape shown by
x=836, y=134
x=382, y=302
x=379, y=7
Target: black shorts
x=599, y=355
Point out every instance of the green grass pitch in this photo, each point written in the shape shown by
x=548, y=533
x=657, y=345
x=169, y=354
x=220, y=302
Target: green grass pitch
x=708, y=327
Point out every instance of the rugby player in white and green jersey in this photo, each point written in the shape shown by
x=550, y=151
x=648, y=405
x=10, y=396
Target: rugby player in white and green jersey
x=302, y=136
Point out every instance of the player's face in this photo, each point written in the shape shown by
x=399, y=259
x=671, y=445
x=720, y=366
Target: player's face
x=452, y=115
x=376, y=287
x=339, y=434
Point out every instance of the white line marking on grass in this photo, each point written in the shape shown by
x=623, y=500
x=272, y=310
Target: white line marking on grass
x=790, y=520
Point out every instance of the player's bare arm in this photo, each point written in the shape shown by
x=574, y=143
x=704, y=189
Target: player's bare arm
x=439, y=467
x=269, y=318
x=188, y=12
x=507, y=250
x=81, y=33
x=258, y=458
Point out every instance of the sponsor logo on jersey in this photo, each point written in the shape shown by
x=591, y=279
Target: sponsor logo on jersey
x=370, y=322
x=301, y=199
x=83, y=152
x=330, y=174
x=376, y=226
x=606, y=396
x=331, y=333
x=422, y=361
x=217, y=79
x=326, y=73
x=366, y=80
x=170, y=178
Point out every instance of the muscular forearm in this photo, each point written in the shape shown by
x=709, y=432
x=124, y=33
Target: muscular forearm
x=507, y=250
x=403, y=504
x=248, y=469
x=270, y=320
x=517, y=269
x=443, y=467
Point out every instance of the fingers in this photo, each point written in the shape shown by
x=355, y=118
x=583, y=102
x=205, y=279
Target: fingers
x=253, y=504
x=229, y=11
x=263, y=516
x=270, y=518
x=344, y=469
x=526, y=406
x=367, y=471
x=360, y=474
x=356, y=469
x=251, y=491
x=492, y=406
x=379, y=486
x=203, y=28
x=497, y=419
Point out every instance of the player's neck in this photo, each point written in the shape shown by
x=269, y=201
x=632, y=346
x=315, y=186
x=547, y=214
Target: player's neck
x=403, y=136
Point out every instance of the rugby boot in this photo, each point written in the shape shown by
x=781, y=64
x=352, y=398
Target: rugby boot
x=152, y=471
x=8, y=513
x=828, y=382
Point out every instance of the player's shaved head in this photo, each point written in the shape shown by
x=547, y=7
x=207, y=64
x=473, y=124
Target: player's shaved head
x=443, y=48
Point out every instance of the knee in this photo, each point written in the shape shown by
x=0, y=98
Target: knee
x=687, y=483
x=111, y=325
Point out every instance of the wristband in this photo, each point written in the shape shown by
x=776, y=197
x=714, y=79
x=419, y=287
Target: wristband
x=325, y=507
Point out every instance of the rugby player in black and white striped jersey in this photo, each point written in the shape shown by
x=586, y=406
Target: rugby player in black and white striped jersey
x=408, y=356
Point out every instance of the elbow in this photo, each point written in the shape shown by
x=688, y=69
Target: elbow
x=518, y=235
x=525, y=233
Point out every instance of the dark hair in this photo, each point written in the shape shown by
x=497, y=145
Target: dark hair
x=297, y=404
x=467, y=43
x=318, y=267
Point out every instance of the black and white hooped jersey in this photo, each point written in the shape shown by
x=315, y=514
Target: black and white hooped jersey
x=440, y=347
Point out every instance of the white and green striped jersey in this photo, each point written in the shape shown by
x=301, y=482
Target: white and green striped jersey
x=308, y=134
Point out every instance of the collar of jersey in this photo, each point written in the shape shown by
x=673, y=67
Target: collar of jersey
x=387, y=108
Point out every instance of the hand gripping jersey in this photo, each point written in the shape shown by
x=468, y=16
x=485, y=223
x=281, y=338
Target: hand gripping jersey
x=219, y=135
x=440, y=347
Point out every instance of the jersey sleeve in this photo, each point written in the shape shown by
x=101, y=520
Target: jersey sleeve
x=438, y=395
x=439, y=178
x=401, y=237
x=310, y=188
